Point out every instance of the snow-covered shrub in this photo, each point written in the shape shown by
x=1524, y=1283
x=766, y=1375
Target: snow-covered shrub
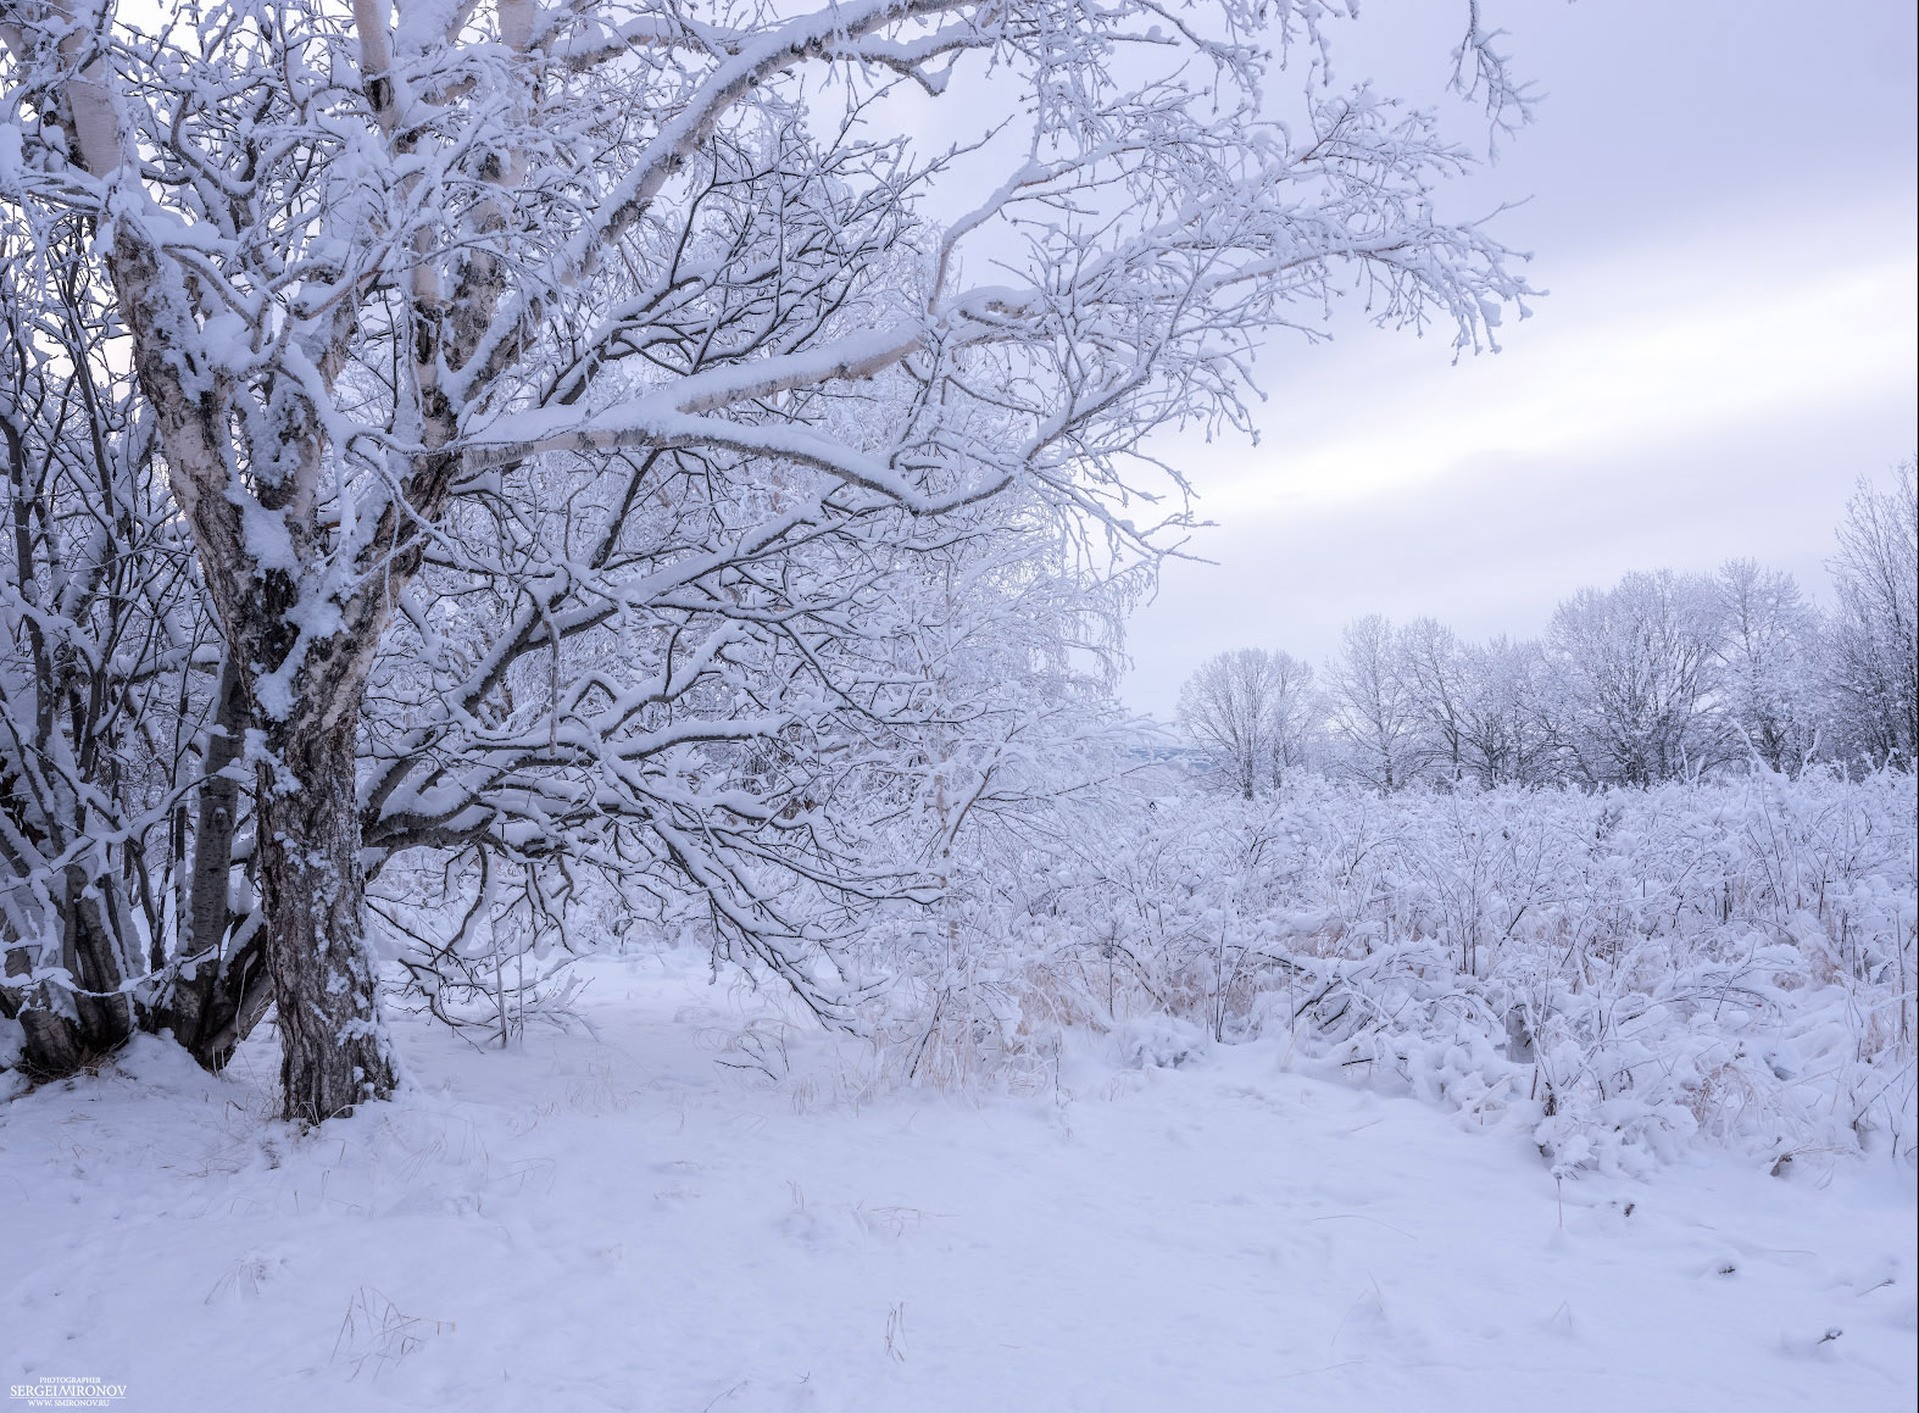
x=1627, y=971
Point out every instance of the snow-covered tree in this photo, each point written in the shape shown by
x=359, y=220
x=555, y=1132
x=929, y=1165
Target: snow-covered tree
x=1437, y=672
x=1637, y=668
x=544, y=388
x=1873, y=647
x=90, y=577
x=123, y=834
x=1375, y=711
x=1252, y=711
x=1768, y=651
x=1510, y=734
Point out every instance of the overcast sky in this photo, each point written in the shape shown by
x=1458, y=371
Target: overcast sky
x=1722, y=207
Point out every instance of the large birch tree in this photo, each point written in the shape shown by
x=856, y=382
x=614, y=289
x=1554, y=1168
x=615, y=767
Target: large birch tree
x=416, y=295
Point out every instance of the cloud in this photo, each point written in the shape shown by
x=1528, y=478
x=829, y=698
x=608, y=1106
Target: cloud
x=1675, y=405
x=1771, y=342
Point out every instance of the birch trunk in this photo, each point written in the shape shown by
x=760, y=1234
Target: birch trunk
x=334, y=1048
x=215, y=1003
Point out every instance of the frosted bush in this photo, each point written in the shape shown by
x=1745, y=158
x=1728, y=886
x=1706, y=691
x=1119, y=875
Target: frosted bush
x=1628, y=972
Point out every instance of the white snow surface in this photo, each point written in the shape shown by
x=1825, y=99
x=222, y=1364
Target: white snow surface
x=618, y=1220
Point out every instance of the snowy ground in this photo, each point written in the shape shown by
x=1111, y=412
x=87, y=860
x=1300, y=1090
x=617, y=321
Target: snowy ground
x=618, y=1222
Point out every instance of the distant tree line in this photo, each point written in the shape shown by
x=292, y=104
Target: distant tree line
x=1664, y=676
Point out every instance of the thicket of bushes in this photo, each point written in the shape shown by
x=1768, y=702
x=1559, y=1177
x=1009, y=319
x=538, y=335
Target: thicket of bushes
x=1627, y=971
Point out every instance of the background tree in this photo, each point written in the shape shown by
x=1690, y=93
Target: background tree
x=1508, y=730
x=1874, y=644
x=1251, y=711
x=1436, y=672
x=1767, y=654
x=1636, y=669
x=1374, y=708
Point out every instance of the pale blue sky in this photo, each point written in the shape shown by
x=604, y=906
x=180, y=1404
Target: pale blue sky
x=1722, y=206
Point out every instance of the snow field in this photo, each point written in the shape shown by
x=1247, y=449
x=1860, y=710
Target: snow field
x=620, y=1220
